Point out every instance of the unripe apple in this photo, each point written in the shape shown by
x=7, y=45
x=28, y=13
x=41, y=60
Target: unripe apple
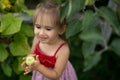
x=29, y=60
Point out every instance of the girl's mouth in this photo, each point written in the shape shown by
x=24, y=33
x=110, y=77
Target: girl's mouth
x=43, y=38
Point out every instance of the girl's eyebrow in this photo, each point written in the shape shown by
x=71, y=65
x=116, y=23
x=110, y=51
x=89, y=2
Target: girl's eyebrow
x=45, y=26
x=37, y=24
x=49, y=27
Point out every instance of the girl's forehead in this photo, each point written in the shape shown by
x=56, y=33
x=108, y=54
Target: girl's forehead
x=45, y=20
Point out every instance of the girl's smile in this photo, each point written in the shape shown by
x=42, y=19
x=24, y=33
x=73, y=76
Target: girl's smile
x=42, y=39
x=46, y=31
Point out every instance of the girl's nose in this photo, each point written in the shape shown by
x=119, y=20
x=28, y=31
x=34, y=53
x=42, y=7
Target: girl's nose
x=41, y=32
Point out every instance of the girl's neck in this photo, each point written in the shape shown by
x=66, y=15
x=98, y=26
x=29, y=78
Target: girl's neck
x=56, y=41
x=51, y=46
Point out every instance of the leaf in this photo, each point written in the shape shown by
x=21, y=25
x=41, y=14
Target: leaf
x=117, y=2
x=60, y=1
x=90, y=20
x=3, y=52
x=106, y=31
x=115, y=45
x=6, y=69
x=30, y=12
x=25, y=77
x=63, y=11
x=27, y=30
x=19, y=47
x=74, y=7
x=20, y=5
x=92, y=36
x=10, y=24
x=73, y=28
x=110, y=17
x=92, y=60
x=17, y=65
x=88, y=49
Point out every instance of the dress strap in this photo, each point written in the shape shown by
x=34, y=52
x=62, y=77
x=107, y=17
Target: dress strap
x=59, y=48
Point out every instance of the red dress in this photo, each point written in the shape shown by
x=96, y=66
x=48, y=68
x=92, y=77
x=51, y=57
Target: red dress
x=49, y=61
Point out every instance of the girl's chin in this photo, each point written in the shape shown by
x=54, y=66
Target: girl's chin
x=43, y=42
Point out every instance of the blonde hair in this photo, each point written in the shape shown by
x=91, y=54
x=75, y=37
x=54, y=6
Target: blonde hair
x=51, y=8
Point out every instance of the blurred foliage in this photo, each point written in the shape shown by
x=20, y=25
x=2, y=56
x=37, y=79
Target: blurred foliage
x=93, y=32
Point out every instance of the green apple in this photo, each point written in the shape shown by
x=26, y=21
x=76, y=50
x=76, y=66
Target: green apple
x=29, y=60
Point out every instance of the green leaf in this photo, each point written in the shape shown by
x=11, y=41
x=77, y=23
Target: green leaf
x=3, y=52
x=75, y=6
x=90, y=20
x=117, y=2
x=92, y=60
x=10, y=24
x=6, y=69
x=88, y=49
x=92, y=36
x=19, y=6
x=73, y=28
x=110, y=17
x=17, y=65
x=20, y=46
x=115, y=45
x=63, y=11
x=27, y=30
x=60, y=1
x=29, y=12
x=25, y=77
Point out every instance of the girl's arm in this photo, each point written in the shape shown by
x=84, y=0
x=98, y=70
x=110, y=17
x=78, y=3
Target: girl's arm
x=56, y=72
x=35, y=41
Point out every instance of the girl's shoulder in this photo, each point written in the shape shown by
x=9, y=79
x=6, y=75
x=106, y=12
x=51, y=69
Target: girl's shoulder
x=64, y=49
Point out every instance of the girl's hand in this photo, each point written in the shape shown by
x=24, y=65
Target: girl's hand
x=24, y=60
x=28, y=69
x=25, y=66
x=24, y=63
x=35, y=65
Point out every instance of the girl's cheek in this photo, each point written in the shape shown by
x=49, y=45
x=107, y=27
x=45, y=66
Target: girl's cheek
x=36, y=31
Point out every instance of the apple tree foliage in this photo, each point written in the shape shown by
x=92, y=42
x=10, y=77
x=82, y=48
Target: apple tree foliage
x=93, y=30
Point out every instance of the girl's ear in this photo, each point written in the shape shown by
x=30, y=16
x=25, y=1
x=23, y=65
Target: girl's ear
x=62, y=30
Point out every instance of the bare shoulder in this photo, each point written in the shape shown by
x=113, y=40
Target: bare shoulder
x=62, y=59
x=64, y=50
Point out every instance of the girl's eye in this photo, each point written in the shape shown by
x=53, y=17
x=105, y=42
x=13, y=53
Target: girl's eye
x=38, y=26
x=48, y=29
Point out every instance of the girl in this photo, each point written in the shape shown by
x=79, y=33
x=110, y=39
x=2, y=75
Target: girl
x=50, y=49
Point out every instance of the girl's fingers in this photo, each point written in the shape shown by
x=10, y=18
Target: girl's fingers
x=28, y=69
x=24, y=58
x=32, y=55
x=23, y=65
x=37, y=57
x=26, y=73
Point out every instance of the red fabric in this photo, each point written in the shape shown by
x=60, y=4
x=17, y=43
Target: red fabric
x=48, y=61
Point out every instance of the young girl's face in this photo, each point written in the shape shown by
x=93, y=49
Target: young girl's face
x=45, y=30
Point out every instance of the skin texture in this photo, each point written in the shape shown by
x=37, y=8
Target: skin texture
x=48, y=35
